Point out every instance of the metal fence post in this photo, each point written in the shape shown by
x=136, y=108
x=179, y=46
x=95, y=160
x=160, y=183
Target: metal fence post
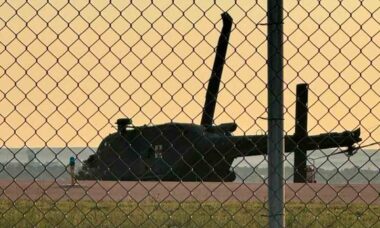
x=275, y=115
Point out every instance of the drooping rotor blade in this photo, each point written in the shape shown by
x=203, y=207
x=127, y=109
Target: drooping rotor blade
x=216, y=74
x=236, y=146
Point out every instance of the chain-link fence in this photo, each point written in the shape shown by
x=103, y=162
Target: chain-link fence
x=142, y=113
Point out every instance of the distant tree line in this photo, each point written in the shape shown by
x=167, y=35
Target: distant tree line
x=354, y=175
x=33, y=171
x=57, y=171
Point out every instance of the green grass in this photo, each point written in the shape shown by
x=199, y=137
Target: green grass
x=46, y=213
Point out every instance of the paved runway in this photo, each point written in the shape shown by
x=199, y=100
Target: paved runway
x=185, y=191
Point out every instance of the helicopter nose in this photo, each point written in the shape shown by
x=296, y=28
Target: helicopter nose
x=92, y=161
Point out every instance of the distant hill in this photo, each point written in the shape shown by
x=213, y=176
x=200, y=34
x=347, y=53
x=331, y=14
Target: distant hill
x=50, y=163
x=369, y=158
x=44, y=155
x=58, y=171
x=366, y=159
x=354, y=175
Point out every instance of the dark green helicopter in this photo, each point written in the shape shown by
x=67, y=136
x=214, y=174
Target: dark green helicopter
x=191, y=152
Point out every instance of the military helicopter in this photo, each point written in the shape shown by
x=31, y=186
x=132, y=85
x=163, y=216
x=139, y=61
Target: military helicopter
x=191, y=152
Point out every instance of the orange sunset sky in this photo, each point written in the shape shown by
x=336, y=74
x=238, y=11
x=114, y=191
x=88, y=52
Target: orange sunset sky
x=68, y=71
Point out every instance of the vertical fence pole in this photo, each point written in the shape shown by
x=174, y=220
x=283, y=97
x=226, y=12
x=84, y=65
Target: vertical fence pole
x=275, y=115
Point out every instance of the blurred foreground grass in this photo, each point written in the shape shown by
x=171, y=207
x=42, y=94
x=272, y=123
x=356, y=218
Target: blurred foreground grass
x=47, y=213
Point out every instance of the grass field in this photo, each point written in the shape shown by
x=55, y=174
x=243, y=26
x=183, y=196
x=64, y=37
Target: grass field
x=47, y=213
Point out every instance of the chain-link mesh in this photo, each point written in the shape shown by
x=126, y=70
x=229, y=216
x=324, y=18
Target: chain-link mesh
x=73, y=72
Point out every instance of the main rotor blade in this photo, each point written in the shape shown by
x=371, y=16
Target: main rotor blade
x=216, y=74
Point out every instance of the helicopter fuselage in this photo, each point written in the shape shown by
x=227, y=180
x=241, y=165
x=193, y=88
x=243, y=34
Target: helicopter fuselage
x=189, y=152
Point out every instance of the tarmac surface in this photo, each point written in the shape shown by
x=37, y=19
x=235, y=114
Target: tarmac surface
x=185, y=191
